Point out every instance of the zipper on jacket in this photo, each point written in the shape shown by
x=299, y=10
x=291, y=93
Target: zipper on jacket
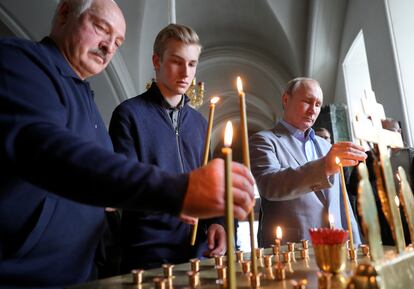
x=176, y=130
x=177, y=139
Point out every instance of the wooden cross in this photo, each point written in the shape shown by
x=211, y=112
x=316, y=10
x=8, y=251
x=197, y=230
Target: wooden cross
x=368, y=128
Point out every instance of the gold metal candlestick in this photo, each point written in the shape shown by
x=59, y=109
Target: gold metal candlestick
x=196, y=93
x=137, y=276
x=213, y=102
x=246, y=161
x=148, y=84
x=348, y=215
x=227, y=155
x=330, y=258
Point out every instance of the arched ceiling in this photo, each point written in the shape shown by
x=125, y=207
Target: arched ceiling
x=266, y=42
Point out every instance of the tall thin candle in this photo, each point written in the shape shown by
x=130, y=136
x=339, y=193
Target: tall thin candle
x=345, y=197
x=227, y=155
x=213, y=102
x=246, y=161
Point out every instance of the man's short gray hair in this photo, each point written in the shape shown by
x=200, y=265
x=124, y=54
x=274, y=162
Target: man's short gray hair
x=296, y=82
x=76, y=6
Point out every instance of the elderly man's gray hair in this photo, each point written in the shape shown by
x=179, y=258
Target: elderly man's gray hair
x=296, y=82
x=77, y=6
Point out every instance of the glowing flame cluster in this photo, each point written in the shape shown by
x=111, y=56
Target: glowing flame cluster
x=239, y=85
x=228, y=134
x=279, y=232
x=214, y=100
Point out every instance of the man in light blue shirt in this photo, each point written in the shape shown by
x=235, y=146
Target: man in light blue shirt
x=296, y=170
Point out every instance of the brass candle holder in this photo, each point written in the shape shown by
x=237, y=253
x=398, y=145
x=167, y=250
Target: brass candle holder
x=239, y=256
x=330, y=249
x=218, y=260
x=221, y=272
x=287, y=257
x=195, y=264
x=137, y=276
x=268, y=261
x=278, y=242
x=364, y=249
x=268, y=273
x=304, y=253
x=259, y=252
x=352, y=254
x=275, y=249
x=277, y=257
x=324, y=280
x=301, y=284
x=193, y=279
x=280, y=271
x=245, y=266
x=159, y=283
x=168, y=270
x=305, y=244
x=255, y=280
x=291, y=246
x=330, y=258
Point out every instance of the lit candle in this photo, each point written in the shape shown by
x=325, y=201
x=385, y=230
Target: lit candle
x=243, y=123
x=278, y=239
x=344, y=194
x=227, y=155
x=213, y=102
x=246, y=161
x=331, y=221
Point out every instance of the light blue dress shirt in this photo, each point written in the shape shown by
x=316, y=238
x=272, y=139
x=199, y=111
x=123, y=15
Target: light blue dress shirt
x=304, y=139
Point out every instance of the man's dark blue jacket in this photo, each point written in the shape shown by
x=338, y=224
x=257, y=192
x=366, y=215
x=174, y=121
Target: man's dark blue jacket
x=142, y=129
x=55, y=153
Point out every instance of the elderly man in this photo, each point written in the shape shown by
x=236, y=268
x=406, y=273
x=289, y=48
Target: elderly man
x=296, y=171
x=159, y=127
x=57, y=165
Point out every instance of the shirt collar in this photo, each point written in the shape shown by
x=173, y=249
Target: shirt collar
x=60, y=61
x=155, y=91
x=168, y=106
x=297, y=133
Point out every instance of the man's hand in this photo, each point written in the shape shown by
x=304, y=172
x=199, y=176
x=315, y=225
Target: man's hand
x=216, y=239
x=348, y=153
x=187, y=219
x=205, y=193
x=110, y=210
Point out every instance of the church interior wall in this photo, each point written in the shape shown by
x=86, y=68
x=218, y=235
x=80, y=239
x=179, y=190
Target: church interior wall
x=370, y=16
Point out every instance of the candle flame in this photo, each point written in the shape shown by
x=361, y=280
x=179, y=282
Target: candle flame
x=239, y=85
x=337, y=160
x=228, y=134
x=397, y=201
x=278, y=232
x=214, y=100
x=331, y=219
